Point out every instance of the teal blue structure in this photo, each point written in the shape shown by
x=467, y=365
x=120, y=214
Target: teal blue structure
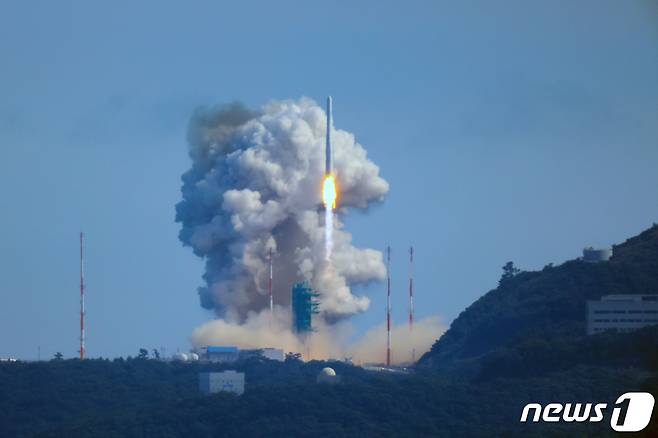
x=304, y=306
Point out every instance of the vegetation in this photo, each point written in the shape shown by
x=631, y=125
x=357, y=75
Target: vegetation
x=102, y=398
x=522, y=342
x=546, y=305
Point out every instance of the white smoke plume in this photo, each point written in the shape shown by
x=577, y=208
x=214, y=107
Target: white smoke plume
x=259, y=330
x=371, y=347
x=327, y=342
x=255, y=184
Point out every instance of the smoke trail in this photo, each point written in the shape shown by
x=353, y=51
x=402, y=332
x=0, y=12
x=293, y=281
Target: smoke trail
x=328, y=232
x=255, y=184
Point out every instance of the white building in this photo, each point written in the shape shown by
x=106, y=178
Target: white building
x=231, y=381
x=273, y=354
x=621, y=313
x=596, y=255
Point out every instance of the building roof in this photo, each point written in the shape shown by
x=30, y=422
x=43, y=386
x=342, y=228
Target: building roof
x=221, y=349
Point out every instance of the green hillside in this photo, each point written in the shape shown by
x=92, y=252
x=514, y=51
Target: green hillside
x=543, y=309
x=522, y=342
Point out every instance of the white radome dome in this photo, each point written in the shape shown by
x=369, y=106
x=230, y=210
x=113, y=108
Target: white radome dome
x=328, y=372
x=327, y=375
x=193, y=356
x=181, y=357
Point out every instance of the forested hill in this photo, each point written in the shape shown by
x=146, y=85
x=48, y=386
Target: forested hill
x=547, y=306
x=521, y=343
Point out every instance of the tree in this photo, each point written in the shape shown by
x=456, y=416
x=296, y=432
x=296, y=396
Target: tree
x=58, y=356
x=293, y=357
x=143, y=353
x=156, y=353
x=509, y=272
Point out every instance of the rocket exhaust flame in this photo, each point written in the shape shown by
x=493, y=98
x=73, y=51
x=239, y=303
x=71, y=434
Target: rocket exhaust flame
x=329, y=200
x=329, y=192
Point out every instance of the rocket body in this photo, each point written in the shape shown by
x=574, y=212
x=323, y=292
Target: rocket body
x=329, y=159
x=329, y=191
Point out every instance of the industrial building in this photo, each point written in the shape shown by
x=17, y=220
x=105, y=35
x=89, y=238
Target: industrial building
x=273, y=354
x=593, y=255
x=304, y=306
x=220, y=354
x=621, y=313
x=228, y=354
x=230, y=381
x=267, y=353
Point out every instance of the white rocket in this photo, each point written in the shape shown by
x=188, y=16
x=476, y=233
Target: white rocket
x=329, y=159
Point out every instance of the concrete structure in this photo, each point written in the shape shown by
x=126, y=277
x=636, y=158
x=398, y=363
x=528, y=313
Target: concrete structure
x=228, y=354
x=593, y=255
x=621, y=313
x=327, y=375
x=273, y=354
x=221, y=353
x=230, y=381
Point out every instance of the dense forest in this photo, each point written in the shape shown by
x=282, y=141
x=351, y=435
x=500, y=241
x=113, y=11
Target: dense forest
x=521, y=342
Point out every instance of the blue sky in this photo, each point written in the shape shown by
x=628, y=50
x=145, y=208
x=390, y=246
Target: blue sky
x=520, y=130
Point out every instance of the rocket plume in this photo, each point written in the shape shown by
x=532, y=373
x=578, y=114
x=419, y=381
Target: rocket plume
x=329, y=204
x=254, y=185
x=329, y=192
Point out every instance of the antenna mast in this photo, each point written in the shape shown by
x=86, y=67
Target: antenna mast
x=82, y=298
x=411, y=303
x=269, y=287
x=388, y=306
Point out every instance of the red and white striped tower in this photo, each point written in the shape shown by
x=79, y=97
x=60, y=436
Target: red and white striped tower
x=269, y=287
x=388, y=306
x=411, y=303
x=82, y=298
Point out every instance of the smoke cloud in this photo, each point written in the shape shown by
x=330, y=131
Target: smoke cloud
x=371, y=347
x=255, y=184
x=327, y=342
x=258, y=330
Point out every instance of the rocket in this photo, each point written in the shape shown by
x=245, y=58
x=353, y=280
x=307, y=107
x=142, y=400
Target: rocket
x=329, y=160
x=329, y=190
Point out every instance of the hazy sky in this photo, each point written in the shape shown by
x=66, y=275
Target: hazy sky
x=518, y=130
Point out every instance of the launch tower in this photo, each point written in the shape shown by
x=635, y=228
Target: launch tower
x=304, y=306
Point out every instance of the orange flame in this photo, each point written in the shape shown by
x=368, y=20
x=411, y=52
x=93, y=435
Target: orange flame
x=329, y=192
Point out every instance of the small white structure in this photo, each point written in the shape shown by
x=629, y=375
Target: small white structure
x=327, y=375
x=273, y=354
x=623, y=313
x=593, y=255
x=181, y=357
x=230, y=381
